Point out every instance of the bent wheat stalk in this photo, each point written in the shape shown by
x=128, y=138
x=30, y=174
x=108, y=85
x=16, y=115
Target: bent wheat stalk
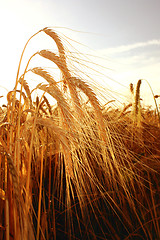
x=58, y=42
x=66, y=73
x=74, y=83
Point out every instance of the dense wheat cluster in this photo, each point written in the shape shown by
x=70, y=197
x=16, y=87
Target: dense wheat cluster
x=76, y=169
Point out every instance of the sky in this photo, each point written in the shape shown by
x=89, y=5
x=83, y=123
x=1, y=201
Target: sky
x=123, y=34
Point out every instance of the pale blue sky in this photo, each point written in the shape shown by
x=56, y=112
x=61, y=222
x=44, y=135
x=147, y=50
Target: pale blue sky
x=124, y=31
x=121, y=21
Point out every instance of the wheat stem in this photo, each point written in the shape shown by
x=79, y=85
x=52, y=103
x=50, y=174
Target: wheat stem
x=40, y=192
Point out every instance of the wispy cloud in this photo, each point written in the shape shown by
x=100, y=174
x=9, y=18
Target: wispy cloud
x=126, y=48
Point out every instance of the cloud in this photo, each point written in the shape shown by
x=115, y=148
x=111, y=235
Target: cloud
x=126, y=48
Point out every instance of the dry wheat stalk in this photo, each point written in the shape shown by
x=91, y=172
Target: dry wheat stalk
x=48, y=105
x=123, y=112
x=27, y=89
x=62, y=104
x=63, y=137
x=131, y=88
x=44, y=74
x=22, y=217
x=60, y=47
x=137, y=99
x=58, y=42
x=84, y=87
x=41, y=107
x=67, y=75
x=74, y=82
x=56, y=59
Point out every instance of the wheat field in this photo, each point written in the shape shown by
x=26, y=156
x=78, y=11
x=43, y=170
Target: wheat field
x=76, y=169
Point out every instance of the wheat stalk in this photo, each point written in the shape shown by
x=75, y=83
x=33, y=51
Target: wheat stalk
x=60, y=47
x=131, y=88
x=74, y=82
x=48, y=105
x=22, y=217
x=64, y=140
x=58, y=42
x=27, y=89
x=65, y=71
x=136, y=109
x=62, y=103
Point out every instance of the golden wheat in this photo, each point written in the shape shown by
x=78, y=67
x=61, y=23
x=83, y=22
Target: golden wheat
x=76, y=169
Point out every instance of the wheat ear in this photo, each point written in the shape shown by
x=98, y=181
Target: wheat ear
x=74, y=82
x=60, y=47
x=84, y=87
x=62, y=137
x=67, y=75
x=26, y=88
x=137, y=99
x=58, y=42
x=48, y=105
x=55, y=92
x=131, y=88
